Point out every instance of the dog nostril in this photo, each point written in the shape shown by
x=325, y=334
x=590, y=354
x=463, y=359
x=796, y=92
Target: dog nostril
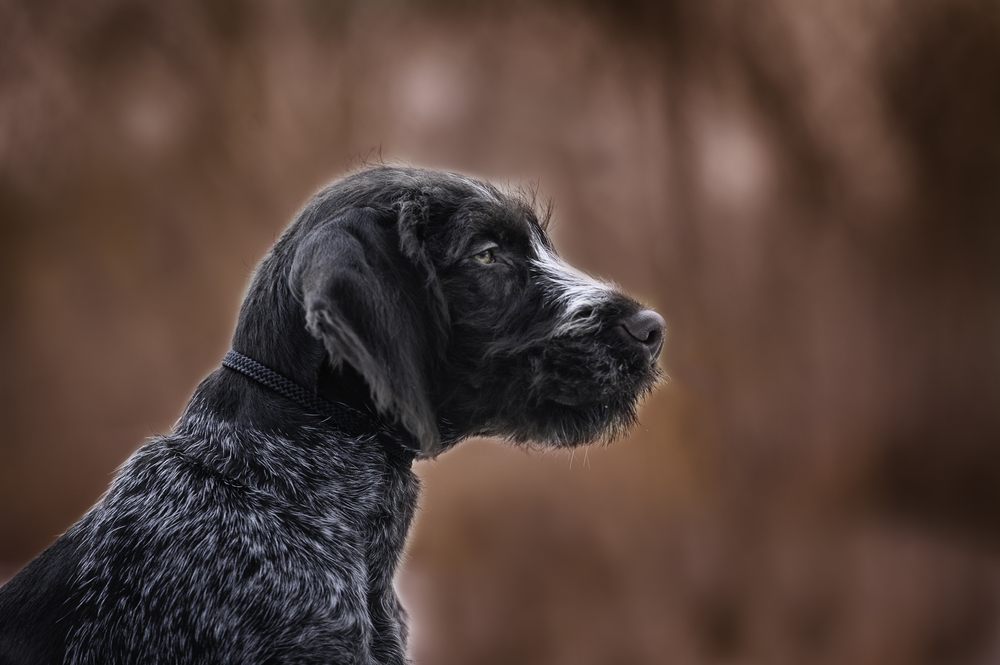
x=646, y=327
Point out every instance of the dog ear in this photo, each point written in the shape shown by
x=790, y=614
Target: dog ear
x=371, y=297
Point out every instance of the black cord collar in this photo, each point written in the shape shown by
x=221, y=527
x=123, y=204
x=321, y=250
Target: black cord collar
x=346, y=417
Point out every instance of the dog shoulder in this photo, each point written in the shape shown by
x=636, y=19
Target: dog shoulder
x=34, y=610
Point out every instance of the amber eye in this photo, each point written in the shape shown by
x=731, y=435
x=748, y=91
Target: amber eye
x=486, y=257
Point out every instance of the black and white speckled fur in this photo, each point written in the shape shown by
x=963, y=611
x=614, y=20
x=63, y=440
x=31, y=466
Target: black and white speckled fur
x=256, y=532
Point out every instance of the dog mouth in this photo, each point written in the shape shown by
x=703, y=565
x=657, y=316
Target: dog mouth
x=607, y=400
x=568, y=391
x=595, y=380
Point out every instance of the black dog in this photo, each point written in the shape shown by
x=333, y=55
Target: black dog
x=402, y=311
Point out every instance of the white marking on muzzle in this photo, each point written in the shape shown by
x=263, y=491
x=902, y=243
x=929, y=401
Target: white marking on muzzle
x=577, y=295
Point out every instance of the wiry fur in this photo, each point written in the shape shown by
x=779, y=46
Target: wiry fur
x=257, y=532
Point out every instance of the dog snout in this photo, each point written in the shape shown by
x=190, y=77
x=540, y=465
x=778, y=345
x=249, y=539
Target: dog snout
x=647, y=328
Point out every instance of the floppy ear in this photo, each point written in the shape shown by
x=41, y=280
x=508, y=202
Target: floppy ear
x=371, y=296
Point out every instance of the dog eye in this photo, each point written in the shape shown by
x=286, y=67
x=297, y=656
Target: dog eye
x=486, y=257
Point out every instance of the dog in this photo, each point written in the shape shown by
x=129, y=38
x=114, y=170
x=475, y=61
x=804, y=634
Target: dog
x=402, y=311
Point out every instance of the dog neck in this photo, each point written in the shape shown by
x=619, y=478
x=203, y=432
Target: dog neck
x=246, y=403
x=353, y=421
x=300, y=464
x=271, y=331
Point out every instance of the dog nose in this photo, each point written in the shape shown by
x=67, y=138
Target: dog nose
x=646, y=327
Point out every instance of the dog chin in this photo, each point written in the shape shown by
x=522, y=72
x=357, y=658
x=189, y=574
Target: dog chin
x=568, y=423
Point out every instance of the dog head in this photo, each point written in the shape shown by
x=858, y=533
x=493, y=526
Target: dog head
x=446, y=296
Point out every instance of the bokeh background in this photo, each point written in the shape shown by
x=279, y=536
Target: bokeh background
x=809, y=192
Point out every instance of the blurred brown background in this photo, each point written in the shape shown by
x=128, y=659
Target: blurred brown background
x=809, y=192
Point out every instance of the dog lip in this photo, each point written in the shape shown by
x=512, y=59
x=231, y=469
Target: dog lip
x=655, y=352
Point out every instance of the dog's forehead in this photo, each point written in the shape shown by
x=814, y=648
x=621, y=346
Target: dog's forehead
x=505, y=219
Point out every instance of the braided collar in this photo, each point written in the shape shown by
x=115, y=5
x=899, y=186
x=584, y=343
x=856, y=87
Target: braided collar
x=346, y=417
